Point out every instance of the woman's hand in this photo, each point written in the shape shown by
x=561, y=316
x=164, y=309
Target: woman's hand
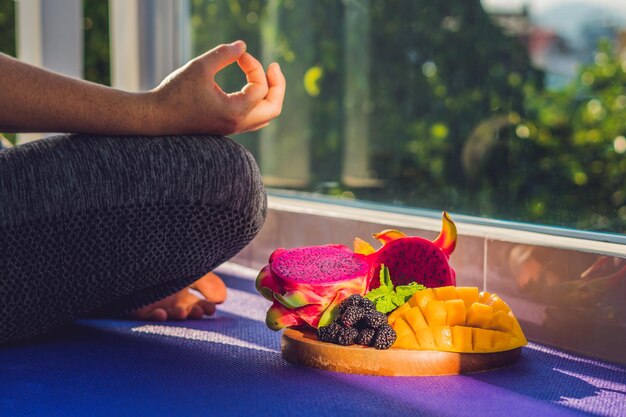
x=190, y=101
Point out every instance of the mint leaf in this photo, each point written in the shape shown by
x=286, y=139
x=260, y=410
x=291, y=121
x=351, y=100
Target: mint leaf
x=386, y=298
x=408, y=290
x=376, y=293
x=397, y=299
x=385, y=304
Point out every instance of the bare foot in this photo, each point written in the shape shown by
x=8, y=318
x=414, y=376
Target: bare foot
x=184, y=304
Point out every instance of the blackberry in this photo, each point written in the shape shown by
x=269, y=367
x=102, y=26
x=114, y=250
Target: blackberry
x=351, y=316
x=353, y=301
x=368, y=305
x=328, y=333
x=365, y=337
x=385, y=336
x=373, y=320
x=347, y=336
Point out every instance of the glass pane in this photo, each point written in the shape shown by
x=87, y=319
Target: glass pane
x=7, y=27
x=488, y=109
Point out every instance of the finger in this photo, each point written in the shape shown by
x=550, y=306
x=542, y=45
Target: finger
x=272, y=105
x=262, y=113
x=222, y=56
x=255, y=90
x=257, y=86
x=277, y=85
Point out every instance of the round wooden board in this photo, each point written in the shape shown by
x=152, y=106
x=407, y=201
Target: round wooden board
x=303, y=348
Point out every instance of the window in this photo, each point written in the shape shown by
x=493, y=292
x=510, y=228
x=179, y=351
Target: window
x=488, y=109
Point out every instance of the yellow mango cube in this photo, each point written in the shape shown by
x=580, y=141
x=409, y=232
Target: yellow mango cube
x=517, y=331
x=501, y=321
x=469, y=295
x=435, y=313
x=405, y=336
x=483, y=295
x=496, y=302
x=416, y=319
x=398, y=312
x=478, y=315
x=501, y=341
x=482, y=340
x=443, y=337
x=445, y=293
x=421, y=299
x=455, y=312
x=426, y=339
x=462, y=339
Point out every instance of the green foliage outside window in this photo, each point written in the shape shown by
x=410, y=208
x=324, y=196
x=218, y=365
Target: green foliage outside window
x=458, y=117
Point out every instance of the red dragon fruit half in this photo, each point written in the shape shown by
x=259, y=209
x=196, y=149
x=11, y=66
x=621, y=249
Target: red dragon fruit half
x=412, y=258
x=306, y=284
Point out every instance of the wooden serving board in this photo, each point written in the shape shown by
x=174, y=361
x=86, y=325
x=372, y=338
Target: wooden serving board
x=303, y=348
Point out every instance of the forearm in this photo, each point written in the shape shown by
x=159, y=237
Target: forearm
x=37, y=100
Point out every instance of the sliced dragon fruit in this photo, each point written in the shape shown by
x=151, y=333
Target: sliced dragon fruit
x=306, y=284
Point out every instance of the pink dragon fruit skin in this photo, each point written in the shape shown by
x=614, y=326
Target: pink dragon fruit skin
x=307, y=284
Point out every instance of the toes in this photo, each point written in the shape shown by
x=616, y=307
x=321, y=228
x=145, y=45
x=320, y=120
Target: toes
x=196, y=312
x=207, y=307
x=212, y=288
x=158, y=314
x=177, y=313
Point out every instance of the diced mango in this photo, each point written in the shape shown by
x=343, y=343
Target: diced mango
x=435, y=313
x=405, y=336
x=496, y=302
x=421, y=299
x=482, y=340
x=469, y=295
x=443, y=337
x=398, y=312
x=416, y=319
x=445, y=293
x=478, y=315
x=501, y=321
x=456, y=320
x=455, y=312
x=426, y=339
x=462, y=338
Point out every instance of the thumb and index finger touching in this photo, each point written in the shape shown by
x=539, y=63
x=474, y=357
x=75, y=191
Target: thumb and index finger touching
x=222, y=56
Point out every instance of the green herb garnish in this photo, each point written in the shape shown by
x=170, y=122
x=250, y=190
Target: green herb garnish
x=386, y=298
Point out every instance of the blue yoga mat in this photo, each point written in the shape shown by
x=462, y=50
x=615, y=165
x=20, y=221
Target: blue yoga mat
x=230, y=365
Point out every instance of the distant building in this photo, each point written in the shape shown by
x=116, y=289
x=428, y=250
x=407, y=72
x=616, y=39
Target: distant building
x=548, y=51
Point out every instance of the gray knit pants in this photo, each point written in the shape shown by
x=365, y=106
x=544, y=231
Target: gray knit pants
x=95, y=224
